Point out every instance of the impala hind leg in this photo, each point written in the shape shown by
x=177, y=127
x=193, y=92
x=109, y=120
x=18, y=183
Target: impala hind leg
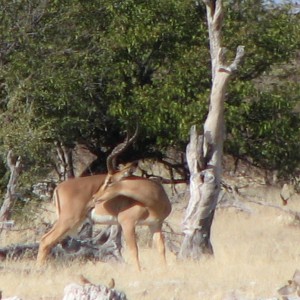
x=158, y=241
x=52, y=237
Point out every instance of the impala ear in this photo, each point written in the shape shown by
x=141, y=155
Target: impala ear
x=128, y=170
x=132, y=168
x=125, y=172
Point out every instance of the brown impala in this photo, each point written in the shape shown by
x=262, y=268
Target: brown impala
x=115, y=198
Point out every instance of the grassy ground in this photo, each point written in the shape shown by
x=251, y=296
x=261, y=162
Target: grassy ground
x=255, y=254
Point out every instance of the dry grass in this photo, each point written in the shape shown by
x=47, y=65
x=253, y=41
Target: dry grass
x=254, y=256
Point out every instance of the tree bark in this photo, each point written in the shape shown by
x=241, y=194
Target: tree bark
x=65, y=168
x=205, y=152
x=14, y=164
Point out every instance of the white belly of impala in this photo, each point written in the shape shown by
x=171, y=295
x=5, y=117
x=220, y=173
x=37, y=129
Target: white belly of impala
x=112, y=220
x=103, y=219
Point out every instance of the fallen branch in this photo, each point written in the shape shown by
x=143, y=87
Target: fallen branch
x=171, y=237
x=238, y=203
x=7, y=225
x=106, y=246
x=295, y=214
x=19, y=251
x=233, y=201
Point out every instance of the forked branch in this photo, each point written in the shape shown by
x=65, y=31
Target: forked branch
x=234, y=65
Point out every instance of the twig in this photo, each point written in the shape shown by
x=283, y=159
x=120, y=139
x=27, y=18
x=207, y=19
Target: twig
x=234, y=190
x=286, y=210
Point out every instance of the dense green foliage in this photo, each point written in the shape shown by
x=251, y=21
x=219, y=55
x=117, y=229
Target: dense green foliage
x=83, y=71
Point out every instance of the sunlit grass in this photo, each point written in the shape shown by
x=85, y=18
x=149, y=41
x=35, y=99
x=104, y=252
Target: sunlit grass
x=254, y=255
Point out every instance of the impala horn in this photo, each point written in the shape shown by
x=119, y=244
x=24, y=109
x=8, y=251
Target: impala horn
x=111, y=159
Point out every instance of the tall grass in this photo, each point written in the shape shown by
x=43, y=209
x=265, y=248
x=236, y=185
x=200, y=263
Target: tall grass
x=254, y=255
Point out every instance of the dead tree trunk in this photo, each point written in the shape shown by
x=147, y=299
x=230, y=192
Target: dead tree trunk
x=204, y=153
x=65, y=168
x=14, y=164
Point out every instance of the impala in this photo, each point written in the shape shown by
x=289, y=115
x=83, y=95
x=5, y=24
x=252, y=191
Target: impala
x=113, y=198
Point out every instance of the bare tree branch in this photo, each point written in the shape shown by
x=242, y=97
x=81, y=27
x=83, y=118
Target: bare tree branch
x=15, y=166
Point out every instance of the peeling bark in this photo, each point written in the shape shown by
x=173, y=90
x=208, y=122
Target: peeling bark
x=205, y=152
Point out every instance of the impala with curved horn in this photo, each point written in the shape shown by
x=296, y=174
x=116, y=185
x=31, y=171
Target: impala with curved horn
x=128, y=169
x=119, y=198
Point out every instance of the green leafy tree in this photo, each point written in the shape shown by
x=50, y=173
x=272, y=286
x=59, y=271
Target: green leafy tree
x=263, y=125
x=81, y=71
x=268, y=135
